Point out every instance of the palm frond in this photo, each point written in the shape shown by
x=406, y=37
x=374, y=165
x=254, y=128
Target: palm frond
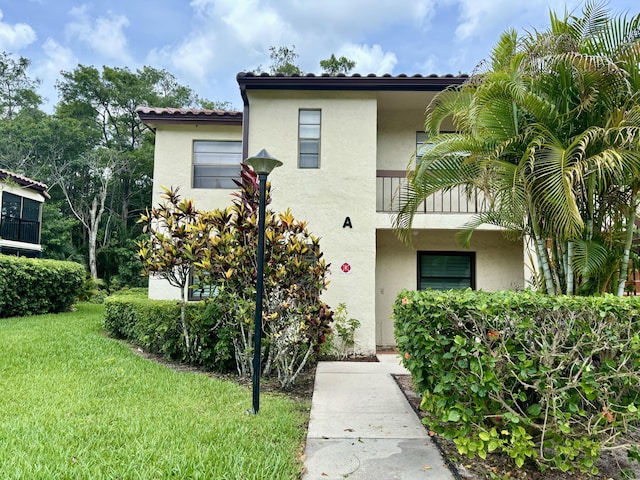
x=589, y=257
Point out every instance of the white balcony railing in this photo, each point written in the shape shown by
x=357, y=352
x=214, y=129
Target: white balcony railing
x=389, y=193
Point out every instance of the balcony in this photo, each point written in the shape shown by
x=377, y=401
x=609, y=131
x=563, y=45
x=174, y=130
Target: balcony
x=20, y=230
x=457, y=200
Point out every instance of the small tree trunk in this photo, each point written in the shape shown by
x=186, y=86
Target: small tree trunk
x=624, y=264
x=183, y=321
x=570, y=274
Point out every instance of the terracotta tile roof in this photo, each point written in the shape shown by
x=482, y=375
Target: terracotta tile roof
x=24, y=182
x=155, y=115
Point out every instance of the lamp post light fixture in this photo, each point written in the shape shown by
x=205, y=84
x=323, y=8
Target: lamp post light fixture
x=263, y=164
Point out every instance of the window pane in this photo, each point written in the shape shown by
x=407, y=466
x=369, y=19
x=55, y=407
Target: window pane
x=308, y=160
x=310, y=116
x=214, y=146
x=422, y=144
x=219, y=158
x=309, y=146
x=309, y=131
x=213, y=182
x=216, y=171
x=10, y=205
x=30, y=210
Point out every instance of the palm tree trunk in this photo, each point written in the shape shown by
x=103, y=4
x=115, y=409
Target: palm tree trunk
x=570, y=275
x=631, y=223
x=543, y=258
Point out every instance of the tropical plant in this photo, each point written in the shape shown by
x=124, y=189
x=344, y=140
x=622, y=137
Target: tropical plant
x=345, y=326
x=295, y=320
x=549, y=132
x=176, y=241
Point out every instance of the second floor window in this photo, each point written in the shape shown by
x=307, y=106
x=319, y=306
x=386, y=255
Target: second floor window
x=309, y=139
x=422, y=144
x=216, y=163
x=19, y=218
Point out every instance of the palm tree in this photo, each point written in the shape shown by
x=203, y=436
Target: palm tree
x=550, y=132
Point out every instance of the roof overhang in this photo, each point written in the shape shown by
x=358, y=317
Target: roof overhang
x=372, y=82
x=26, y=182
x=152, y=117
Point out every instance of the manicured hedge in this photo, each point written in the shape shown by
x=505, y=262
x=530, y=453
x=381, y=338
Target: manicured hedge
x=154, y=325
x=546, y=380
x=30, y=286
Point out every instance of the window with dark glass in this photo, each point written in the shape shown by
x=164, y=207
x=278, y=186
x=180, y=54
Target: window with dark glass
x=216, y=163
x=446, y=270
x=11, y=205
x=422, y=144
x=200, y=291
x=309, y=139
x=19, y=218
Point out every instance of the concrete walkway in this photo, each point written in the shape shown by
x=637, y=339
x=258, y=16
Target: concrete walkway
x=362, y=427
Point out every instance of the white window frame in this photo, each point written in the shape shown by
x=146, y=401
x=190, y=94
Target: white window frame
x=220, y=159
x=307, y=137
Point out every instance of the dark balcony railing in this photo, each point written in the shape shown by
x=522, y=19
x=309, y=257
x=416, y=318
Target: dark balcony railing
x=390, y=184
x=20, y=230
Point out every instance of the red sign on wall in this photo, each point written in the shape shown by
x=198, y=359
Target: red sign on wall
x=345, y=267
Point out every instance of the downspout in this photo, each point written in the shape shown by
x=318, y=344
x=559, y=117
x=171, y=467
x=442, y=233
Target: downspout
x=245, y=121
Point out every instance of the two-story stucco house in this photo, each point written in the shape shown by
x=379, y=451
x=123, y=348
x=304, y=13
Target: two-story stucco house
x=21, y=200
x=345, y=143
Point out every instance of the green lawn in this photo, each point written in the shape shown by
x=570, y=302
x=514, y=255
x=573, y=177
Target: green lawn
x=75, y=404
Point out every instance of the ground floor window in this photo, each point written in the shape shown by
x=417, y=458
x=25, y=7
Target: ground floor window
x=446, y=270
x=199, y=291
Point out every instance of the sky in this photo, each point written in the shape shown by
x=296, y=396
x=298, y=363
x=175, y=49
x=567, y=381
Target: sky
x=205, y=43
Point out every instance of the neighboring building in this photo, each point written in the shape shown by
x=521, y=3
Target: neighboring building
x=345, y=142
x=21, y=202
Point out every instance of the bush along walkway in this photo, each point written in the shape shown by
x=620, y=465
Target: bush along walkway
x=362, y=427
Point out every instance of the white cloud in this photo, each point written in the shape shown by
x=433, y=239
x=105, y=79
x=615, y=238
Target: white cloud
x=370, y=59
x=193, y=57
x=56, y=58
x=236, y=34
x=105, y=35
x=479, y=17
x=353, y=17
x=15, y=37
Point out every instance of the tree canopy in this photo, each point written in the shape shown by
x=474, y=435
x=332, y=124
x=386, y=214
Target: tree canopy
x=93, y=152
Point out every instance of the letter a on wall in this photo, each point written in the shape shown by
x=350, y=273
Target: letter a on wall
x=347, y=223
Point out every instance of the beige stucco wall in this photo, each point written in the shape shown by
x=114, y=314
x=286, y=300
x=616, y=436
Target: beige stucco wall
x=398, y=122
x=173, y=161
x=397, y=137
x=172, y=167
x=343, y=186
x=499, y=266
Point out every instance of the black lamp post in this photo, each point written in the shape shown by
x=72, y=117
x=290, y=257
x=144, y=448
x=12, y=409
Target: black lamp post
x=262, y=164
